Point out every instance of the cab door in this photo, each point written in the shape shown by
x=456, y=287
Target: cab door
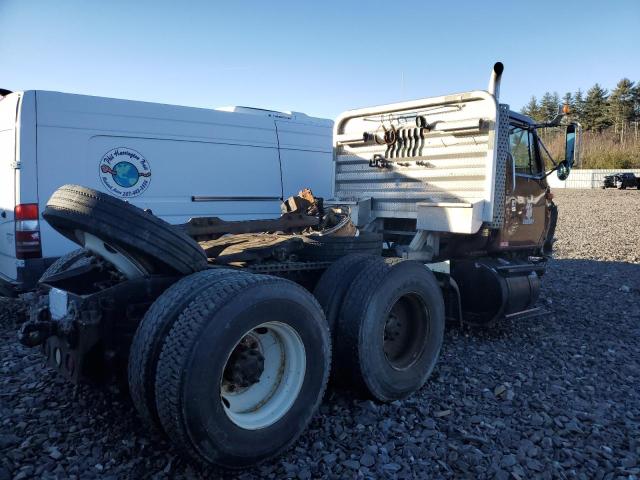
x=526, y=205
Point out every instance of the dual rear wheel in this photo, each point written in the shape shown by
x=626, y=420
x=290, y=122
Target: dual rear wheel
x=388, y=325
x=231, y=365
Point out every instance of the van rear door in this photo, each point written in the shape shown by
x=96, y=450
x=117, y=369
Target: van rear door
x=8, y=116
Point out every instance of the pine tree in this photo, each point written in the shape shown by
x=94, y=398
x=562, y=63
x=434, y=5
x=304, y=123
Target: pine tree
x=578, y=106
x=557, y=102
x=596, y=115
x=636, y=103
x=532, y=109
x=549, y=106
x=622, y=106
x=636, y=112
x=567, y=100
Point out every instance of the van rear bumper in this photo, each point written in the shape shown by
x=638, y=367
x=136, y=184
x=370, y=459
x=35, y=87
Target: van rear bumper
x=28, y=277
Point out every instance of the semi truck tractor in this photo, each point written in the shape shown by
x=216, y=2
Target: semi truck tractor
x=226, y=332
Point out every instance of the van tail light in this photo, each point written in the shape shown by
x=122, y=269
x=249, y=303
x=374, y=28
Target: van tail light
x=28, y=243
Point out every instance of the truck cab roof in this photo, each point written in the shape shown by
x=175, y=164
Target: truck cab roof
x=521, y=118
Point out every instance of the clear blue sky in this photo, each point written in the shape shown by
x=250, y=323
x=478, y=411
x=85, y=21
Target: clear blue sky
x=319, y=57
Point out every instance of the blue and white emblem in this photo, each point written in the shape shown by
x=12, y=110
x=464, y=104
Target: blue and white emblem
x=125, y=172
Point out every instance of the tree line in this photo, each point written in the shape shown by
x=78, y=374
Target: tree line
x=610, y=120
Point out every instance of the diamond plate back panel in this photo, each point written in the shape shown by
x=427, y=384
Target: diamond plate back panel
x=454, y=160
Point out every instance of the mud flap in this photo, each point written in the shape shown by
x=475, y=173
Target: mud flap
x=547, y=248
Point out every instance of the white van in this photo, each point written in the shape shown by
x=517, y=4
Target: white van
x=180, y=162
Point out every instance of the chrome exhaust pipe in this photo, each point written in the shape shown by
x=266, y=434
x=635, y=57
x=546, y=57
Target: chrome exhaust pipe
x=494, y=80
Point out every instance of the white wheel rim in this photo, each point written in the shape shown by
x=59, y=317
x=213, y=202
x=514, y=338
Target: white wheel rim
x=123, y=263
x=265, y=402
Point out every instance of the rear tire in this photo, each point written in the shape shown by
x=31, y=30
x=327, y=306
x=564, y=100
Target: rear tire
x=196, y=363
x=335, y=282
x=390, y=330
x=151, y=335
x=74, y=210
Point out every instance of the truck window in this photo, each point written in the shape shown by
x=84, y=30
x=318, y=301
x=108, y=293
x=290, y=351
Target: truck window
x=537, y=165
x=522, y=150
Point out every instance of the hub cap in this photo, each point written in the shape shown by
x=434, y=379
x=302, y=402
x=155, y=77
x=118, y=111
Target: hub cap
x=263, y=375
x=406, y=331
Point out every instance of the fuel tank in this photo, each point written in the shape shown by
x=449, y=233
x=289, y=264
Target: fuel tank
x=495, y=288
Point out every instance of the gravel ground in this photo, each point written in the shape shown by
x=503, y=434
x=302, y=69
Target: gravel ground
x=554, y=396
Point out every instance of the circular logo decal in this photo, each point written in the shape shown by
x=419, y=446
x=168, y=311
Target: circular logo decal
x=125, y=172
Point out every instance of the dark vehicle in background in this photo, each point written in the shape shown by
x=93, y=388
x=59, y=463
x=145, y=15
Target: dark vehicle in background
x=621, y=181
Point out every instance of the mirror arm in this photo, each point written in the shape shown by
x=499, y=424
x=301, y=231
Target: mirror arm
x=555, y=164
x=564, y=164
x=546, y=174
x=555, y=121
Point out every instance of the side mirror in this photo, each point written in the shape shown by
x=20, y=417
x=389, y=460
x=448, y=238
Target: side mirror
x=563, y=170
x=570, y=151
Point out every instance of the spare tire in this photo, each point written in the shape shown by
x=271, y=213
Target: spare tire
x=73, y=259
x=329, y=248
x=73, y=210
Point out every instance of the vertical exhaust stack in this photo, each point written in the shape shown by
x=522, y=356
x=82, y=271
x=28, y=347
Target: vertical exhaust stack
x=494, y=80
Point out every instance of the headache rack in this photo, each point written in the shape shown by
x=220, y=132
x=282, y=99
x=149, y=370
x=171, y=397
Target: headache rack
x=441, y=161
